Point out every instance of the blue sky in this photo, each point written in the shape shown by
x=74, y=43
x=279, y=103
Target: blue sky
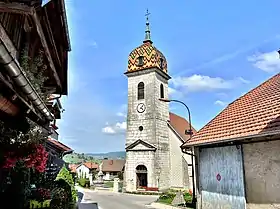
x=216, y=51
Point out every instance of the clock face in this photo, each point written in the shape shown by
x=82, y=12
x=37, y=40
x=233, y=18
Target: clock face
x=141, y=108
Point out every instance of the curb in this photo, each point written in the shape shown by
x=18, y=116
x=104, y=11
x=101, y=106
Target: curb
x=162, y=206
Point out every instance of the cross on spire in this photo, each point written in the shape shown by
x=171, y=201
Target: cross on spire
x=147, y=31
x=147, y=14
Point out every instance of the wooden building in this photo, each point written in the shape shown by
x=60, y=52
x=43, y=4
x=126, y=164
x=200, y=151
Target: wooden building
x=238, y=152
x=26, y=29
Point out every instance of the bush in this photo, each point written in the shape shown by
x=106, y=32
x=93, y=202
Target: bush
x=109, y=184
x=188, y=197
x=166, y=198
x=67, y=177
x=84, y=182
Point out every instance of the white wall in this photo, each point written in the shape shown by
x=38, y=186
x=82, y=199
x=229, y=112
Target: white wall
x=180, y=171
x=82, y=169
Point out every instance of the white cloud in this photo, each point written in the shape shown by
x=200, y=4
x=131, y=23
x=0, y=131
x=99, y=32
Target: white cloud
x=219, y=102
x=197, y=83
x=120, y=114
x=108, y=130
x=118, y=128
x=171, y=90
x=93, y=44
x=123, y=111
x=268, y=62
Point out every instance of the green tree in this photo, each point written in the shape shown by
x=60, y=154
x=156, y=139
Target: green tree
x=67, y=177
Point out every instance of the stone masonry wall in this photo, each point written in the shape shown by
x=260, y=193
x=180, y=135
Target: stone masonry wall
x=133, y=159
x=153, y=120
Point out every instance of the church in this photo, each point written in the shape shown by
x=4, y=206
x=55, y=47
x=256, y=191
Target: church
x=154, y=160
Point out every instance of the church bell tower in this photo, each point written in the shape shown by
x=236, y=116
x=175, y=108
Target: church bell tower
x=147, y=139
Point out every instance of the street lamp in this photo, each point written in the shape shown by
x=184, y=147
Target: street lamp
x=187, y=132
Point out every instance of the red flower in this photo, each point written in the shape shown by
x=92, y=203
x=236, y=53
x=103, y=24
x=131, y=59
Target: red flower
x=37, y=159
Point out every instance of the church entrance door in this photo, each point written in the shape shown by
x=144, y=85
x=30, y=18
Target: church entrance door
x=142, y=176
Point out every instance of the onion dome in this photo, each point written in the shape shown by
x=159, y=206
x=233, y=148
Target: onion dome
x=147, y=55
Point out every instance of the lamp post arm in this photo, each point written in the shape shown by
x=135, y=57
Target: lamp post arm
x=189, y=112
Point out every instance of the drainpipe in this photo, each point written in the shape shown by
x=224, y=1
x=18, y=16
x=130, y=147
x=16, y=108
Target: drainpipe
x=14, y=70
x=193, y=181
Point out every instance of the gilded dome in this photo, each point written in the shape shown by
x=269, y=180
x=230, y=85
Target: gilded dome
x=146, y=56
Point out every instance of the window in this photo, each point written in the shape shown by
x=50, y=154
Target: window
x=161, y=91
x=141, y=128
x=140, y=61
x=141, y=90
x=161, y=63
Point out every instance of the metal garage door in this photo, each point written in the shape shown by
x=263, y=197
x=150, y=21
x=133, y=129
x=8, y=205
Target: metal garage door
x=221, y=178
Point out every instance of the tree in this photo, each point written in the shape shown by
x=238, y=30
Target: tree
x=65, y=175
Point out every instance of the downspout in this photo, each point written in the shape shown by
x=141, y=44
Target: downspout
x=193, y=180
x=14, y=70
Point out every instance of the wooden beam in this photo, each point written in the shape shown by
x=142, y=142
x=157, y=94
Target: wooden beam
x=16, y=8
x=45, y=46
x=51, y=36
x=7, y=41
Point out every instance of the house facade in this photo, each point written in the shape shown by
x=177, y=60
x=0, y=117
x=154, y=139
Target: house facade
x=237, y=152
x=111, y=168
x=85, y=170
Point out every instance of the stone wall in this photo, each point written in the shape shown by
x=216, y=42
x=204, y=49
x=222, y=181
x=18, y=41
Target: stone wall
x=154, y=123
x=262, y=172
x=135, y=158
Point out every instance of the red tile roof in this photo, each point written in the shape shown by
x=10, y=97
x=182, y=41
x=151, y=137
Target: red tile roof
x=180, y=124
x=253, y=114
x=59, y=144
x=91, y=165
x=73, y=167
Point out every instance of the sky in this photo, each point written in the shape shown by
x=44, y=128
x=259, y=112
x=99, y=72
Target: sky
x=216, y=51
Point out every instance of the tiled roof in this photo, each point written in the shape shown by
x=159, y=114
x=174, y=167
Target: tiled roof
x=59, y=144
x=180, y=124
x=73, y=167
x=112, y=165
x=253, y=114
x=91, y=165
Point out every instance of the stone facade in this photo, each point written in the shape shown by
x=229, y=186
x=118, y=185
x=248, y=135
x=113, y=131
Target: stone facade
x=155, y=130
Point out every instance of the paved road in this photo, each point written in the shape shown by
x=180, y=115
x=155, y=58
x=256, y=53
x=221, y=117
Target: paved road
x=110, y=200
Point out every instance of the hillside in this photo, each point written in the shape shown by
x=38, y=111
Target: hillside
x=77, y=158
x=110, y=155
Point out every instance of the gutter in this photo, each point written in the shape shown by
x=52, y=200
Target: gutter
x=67, y=152
x=14, y=70
x=193, y=181
x=231, y=140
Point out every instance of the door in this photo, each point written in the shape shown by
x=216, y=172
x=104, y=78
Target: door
x=221, y=178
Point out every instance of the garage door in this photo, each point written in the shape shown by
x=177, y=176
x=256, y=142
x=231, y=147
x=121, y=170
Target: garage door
x=221, y=178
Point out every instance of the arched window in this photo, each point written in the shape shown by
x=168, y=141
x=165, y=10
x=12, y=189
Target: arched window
x=141, y=90
x=161, y=91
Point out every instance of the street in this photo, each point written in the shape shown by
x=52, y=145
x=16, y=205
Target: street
x=109, y=200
